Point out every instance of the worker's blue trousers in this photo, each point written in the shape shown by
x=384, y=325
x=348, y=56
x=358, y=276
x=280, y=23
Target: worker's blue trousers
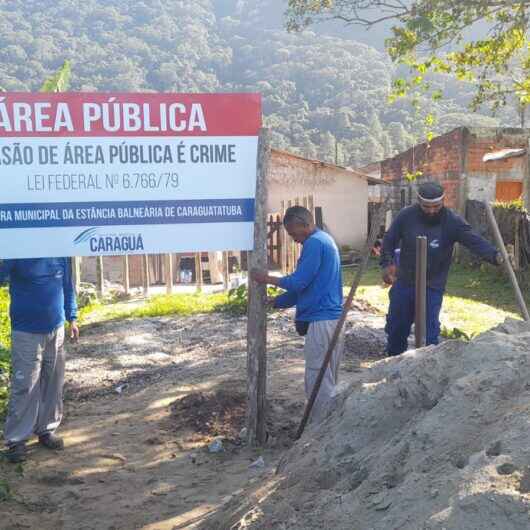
x=401, y=316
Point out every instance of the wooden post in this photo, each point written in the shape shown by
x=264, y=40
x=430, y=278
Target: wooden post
x=284, y=241
x=100, y=285
x=507, y=265
x=169, y=274
x=517, y=245
x=145, y=274
x=311, y=206
x=319, y=221
x=297, y=246
x=177, y=268
x=279, y=240
x=76, y=273
x=198, y=272
x=257, y=312
x=291, y=244
x=420, y=321
x=126, y=280
x=226, y=274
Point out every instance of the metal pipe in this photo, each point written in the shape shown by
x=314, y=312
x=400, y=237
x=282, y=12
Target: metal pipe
x=507, y=265
x=420, y=322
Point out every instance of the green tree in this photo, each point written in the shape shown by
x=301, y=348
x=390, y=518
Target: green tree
x=60, y=81
x=441, y=36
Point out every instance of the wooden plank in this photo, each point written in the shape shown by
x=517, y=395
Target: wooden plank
x=198, y=272
x=100, y=282
x=169, y=273
x=176, y=272
x=145, y=274
x=311, y=205
x=517, y=245
x=257, y=312
x=226, y=274
x=283, y=238
x=319, y=221
x=75, y=263
x=291, y=243
x=279, y=240
x=126, y=279
x=507, y=265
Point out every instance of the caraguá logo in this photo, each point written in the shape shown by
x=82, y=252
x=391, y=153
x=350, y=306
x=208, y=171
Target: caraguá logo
x=120, y=242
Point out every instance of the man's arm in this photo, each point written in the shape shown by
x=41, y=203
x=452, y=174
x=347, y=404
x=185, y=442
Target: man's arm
x=305, y=272
x=306, y=269
x=70, y=302
x=391, y=241
x=476, y=244
x=285, y=300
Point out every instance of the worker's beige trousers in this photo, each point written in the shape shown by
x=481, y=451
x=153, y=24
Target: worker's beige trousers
x=317, y=341
x=36, y=397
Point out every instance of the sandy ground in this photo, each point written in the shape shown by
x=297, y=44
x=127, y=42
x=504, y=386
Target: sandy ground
x=143, y=400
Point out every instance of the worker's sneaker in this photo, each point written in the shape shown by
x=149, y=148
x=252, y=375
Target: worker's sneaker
x=51, y=441
x=16, y=453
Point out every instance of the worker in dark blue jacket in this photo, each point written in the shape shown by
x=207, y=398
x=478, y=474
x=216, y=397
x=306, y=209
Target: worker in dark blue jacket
x=42, y=298
x=443, y=228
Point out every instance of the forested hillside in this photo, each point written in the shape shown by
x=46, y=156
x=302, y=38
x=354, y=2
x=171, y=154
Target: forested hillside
x=324, y=96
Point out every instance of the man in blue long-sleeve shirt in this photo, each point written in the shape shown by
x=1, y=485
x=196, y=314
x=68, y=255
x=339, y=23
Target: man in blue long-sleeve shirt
x=315, y=288
x=443, y=228
x=42, y=298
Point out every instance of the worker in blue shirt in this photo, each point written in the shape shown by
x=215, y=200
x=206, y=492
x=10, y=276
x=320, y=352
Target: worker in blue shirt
x=315, y=288
x=443, y=228
x=42, y=298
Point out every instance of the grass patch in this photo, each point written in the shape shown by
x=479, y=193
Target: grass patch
x=5, y=345
x=162, y=305
x=475, y=299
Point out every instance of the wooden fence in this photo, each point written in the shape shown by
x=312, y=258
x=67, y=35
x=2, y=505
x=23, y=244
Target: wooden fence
x=154, y=269
x=283, y=252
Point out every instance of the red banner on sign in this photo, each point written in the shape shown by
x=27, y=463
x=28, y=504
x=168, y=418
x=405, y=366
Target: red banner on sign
x=75, y=114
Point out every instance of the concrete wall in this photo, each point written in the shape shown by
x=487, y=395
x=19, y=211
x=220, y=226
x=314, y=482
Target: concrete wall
x=342, y=195
x=455, y=160
x=481, y=177
x=441, y=160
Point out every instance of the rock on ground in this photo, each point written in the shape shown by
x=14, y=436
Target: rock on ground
x=439, y=438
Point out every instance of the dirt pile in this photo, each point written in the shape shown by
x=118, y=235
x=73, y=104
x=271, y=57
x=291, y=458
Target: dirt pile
x=436, y=439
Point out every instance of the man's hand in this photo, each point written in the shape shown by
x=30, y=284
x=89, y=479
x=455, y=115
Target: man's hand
x=264, y=278
x=499, y=258
x=389, y=274
x=259, y=276
x=74, y=331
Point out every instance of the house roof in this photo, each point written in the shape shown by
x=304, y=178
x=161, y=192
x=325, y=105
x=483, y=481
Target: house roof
x=502, y=154
x=319, y=163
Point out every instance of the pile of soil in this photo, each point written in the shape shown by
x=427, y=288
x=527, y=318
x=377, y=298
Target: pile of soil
x=438, y=438
x=220, y=413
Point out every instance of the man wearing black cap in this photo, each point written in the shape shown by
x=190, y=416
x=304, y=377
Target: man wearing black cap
x=443, y=228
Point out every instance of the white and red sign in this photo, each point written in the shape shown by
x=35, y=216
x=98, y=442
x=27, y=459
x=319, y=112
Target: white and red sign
x=92, y=173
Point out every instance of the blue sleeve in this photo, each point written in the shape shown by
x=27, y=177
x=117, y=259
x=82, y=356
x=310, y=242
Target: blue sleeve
x=285, y=300
x=6, y=266
x=70, y=303
x=306, y=269
x=476, y=244
x=391, y=241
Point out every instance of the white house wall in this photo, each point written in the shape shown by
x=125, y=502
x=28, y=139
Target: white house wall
x=342, y=195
